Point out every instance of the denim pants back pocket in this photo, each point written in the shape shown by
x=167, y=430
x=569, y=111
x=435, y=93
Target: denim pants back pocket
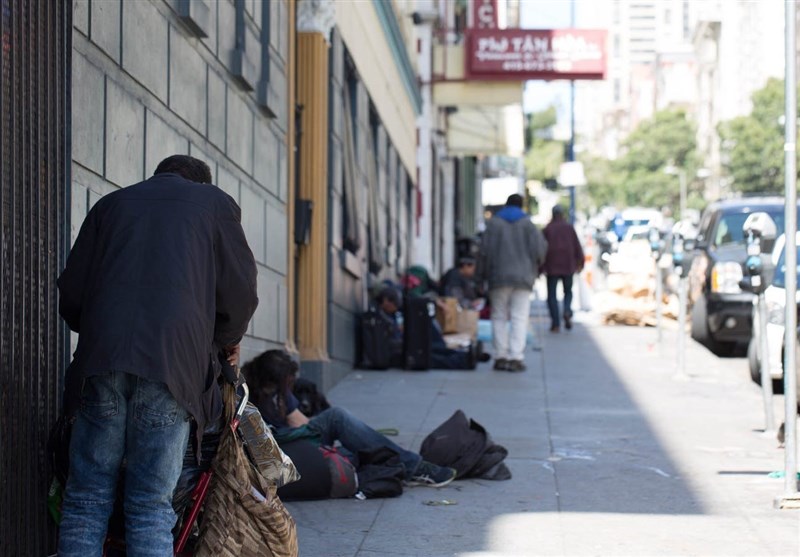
x=154, y=405
x=100, y=396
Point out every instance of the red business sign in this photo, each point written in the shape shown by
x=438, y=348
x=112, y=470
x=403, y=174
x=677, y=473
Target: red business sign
x=484, y=14
x=523, y=54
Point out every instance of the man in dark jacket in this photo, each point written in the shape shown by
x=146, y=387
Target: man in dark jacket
x=511, y=252
x=159, y=280
x=564, y=259
x=459, y=282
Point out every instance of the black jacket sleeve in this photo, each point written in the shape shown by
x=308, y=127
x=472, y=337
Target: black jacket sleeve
x=236, y=290
x=75, y=276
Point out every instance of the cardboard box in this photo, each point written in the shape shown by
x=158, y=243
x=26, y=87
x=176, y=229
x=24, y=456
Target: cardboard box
x=468, y=322
x=447, y=311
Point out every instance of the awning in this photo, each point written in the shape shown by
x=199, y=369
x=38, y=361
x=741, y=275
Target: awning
x=486, y=130
x=486, y=116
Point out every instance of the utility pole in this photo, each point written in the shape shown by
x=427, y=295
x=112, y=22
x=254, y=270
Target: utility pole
x=790, y=498
x=571, y=146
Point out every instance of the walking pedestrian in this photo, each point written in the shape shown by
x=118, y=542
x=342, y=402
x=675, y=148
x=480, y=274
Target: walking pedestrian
x=159, y=281
x=564, y=259
x=512, y=251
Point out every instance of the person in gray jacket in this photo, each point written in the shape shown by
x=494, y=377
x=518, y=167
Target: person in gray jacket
x=512, y=251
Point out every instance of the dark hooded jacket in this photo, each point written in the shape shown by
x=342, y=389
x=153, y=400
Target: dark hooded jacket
x=160, y=277
x=512, y=250
x=564, y=251
x=465, y=445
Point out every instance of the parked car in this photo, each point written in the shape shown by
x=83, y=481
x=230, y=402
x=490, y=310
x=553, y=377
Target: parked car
x=721, y=311
x=616, y=231
x=775, y=296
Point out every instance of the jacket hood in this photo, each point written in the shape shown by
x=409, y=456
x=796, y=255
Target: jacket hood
x=511, y=214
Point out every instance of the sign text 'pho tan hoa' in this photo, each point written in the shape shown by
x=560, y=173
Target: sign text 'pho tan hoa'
x=523, y=54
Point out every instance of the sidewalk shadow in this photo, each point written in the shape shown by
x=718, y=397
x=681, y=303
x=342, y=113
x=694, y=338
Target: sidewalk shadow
x=606, y=456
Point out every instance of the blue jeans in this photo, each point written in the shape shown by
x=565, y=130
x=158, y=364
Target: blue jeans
x=552, y=300
x=337, y=424
x=123, y=416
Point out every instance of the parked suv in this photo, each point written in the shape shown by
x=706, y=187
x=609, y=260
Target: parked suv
x=721, y=311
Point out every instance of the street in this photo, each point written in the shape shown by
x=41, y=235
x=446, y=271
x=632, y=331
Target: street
x=612, y=453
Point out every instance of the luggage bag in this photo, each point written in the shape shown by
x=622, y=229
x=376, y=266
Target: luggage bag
x=376, y=341
x=417, y=316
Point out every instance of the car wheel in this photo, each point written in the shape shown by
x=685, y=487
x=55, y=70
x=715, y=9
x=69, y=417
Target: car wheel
x=755, y=370
x=700, y=331
x=752, y=361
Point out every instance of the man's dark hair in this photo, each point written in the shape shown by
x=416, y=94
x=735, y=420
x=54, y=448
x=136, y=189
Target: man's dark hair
x=464, y=261
x=188, y=167
x=514, y=200
x=389, y=294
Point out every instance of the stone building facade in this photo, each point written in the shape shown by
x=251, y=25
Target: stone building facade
x=357, y=166
x=209, y=78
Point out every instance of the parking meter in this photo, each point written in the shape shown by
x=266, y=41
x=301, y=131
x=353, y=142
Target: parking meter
x=656, y=244
x=680, y=262
x=656, y=247
x=760, y=232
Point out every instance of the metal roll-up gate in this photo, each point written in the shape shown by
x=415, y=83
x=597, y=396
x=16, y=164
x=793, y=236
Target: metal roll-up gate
x=35, y=60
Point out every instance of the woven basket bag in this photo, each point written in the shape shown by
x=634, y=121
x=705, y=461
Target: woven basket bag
x=243, y=516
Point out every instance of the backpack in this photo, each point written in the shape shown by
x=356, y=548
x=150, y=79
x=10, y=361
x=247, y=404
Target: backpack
x=344, y=482
x=325, y=473
x=466, y=446
x=380, y=473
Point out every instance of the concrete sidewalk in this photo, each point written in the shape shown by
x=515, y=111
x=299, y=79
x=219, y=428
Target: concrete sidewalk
x=611, y=454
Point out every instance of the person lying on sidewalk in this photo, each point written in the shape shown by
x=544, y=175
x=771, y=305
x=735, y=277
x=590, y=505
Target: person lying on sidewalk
x=271, y=376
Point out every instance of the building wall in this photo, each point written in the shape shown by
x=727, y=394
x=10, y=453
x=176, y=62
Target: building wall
x=349, y=275
x=751, y=50
x=469, y=210
x=739, y=46
x=145, y=86
x=361, y=30
x=642, y=34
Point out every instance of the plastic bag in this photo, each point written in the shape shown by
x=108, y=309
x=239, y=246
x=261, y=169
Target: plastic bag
x=263, y=451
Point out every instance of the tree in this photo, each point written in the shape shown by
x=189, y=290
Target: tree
x=544, y=155
x=638, y=177
x=752, y=145
x=600, y=182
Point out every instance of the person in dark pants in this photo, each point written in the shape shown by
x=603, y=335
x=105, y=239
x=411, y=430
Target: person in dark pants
x=159, y=282
x=271, y=376
x=564, y=258
x=389, y=301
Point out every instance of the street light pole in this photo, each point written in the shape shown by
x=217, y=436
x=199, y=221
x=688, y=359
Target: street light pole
x=571, y=146
x=673, y=170
x=791, y=497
